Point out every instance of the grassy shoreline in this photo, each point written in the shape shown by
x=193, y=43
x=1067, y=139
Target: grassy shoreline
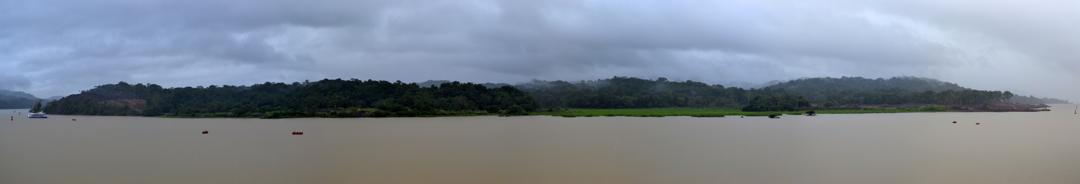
x=720, y=112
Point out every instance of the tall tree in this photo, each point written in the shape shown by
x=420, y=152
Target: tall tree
x=37, y=107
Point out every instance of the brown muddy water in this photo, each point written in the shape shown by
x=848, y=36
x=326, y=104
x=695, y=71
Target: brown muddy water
x=1016, y=147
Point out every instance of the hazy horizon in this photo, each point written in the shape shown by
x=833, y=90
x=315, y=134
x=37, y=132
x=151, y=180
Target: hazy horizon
x=57, y=47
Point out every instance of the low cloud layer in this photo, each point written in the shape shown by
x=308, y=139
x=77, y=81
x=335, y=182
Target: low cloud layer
x=58, y=47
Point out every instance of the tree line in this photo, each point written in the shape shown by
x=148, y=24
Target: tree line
x=802, y=94
x=630, y=92
x=370, y=98
x=855, y=91
x=324, y=98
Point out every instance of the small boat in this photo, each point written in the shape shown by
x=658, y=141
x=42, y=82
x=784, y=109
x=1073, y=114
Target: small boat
x=774, y=116
x=297, y=133
x=204, y=132
x=37, y=115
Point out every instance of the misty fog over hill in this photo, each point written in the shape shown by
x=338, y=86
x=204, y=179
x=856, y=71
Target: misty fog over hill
x=16, y=100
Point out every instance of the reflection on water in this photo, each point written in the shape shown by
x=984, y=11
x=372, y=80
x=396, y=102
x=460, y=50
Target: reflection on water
x=1041, y=147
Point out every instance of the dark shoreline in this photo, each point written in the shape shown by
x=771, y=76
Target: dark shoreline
x=644, y=112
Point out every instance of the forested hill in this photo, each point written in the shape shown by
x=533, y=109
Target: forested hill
x=16, y=100
x=858, y=91
x=825, y=88
x=356, y=98
x=810, y=93
x=325, y=98
x=436, y=83
x=629, y=92
x=896, y=90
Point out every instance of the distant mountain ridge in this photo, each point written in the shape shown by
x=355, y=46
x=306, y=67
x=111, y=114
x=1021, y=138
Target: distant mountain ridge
x=824, y=88
x=16, y=100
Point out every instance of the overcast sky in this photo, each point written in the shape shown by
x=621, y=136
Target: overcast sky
x=59, y=47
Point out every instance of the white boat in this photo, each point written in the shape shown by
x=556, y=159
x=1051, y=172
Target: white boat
x=37, y=115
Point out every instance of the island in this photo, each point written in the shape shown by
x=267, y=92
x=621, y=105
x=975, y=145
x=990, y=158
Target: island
x=616, y=96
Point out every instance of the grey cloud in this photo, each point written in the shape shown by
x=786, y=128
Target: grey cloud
x=65, y=46
x=13, y=82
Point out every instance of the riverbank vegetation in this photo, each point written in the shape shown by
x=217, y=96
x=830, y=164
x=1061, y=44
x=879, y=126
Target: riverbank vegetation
x=795, y=95
x=617, y=96
x=325, y=98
